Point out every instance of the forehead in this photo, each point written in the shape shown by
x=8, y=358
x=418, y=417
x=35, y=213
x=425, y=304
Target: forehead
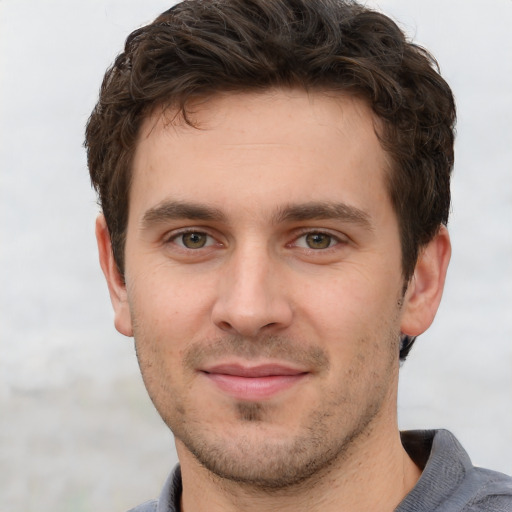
x=270, y=116
x=260, y=149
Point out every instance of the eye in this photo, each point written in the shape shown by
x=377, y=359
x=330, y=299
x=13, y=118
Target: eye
x=193, y=240
x=316, y=240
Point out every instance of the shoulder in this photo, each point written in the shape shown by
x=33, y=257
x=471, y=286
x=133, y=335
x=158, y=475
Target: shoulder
x=494, y=492
x=450, y=482
x=148, y=506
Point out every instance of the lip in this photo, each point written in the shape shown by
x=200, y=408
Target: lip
x=253, y=383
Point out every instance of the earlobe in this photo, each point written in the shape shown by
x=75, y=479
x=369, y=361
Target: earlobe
x=115, y=282
x=425, y=288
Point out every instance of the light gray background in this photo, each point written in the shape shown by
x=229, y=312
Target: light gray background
x=77, y=432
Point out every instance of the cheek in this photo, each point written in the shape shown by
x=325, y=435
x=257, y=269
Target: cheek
x=169, y=314
x=353, y=316
x=349, y=298
x=169, y=303
x=161, y=337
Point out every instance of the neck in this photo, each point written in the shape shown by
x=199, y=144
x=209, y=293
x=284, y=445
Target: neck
x=375, y=474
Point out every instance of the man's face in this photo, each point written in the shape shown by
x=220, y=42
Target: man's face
x=264, y=283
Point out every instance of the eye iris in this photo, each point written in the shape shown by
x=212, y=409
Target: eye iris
x=194, y=240
x=318, y=240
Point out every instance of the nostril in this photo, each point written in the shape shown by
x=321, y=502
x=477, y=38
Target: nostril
x=225, y=326
x=245, y=327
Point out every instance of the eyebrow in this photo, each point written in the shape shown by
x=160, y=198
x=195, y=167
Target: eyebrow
x=324, y=211
x=171, y=210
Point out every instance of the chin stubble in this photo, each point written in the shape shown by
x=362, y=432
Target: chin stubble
x=281, y=464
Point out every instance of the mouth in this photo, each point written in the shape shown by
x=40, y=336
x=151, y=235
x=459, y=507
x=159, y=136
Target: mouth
x=252, y=383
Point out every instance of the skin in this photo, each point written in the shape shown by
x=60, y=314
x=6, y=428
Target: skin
x=266, y=239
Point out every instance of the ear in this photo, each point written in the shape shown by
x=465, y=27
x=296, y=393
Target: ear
x=426, y=286
x=115, y=282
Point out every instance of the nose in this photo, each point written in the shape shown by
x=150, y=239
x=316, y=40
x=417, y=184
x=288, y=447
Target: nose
x=252, y=295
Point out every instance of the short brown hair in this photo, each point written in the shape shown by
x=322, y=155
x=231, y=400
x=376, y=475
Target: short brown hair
x=199, y=47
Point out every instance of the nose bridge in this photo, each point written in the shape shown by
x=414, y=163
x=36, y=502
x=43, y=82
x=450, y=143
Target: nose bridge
x=251, y=297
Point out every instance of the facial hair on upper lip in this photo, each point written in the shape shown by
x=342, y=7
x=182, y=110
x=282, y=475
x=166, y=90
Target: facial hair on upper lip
x=282, y=349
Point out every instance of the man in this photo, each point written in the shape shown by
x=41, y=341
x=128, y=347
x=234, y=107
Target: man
x=274, y=181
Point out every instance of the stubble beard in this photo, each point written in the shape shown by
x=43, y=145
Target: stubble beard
x=273, y=467
x=325, y=440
